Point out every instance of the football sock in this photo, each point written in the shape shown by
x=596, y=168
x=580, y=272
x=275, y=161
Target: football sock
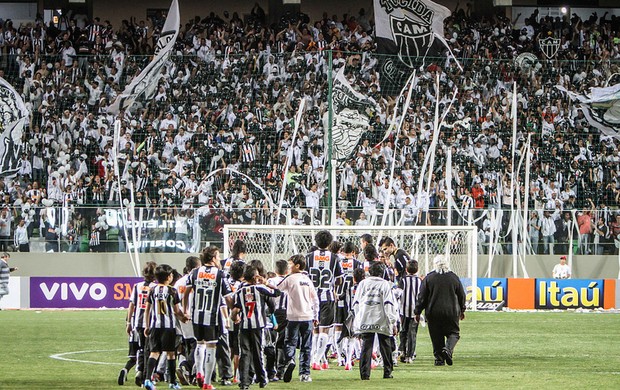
x=209, y=363
x=172, y=366
x=130, y=363
x=201, y=349
x=321, y=346
x=351, y=349
x=336, y=344
x=315, y=338
x=150, y=367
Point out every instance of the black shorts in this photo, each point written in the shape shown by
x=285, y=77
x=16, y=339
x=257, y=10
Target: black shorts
x=206, y=333
x=163, y=340
x=326, y=313
x=341, y=315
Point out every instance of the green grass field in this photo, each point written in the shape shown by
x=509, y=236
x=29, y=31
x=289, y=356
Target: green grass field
x=497, y=350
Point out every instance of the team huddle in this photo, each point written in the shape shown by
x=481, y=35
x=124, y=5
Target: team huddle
x=233, y=320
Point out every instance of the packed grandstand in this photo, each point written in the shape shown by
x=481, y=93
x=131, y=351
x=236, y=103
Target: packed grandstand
x=210, y=147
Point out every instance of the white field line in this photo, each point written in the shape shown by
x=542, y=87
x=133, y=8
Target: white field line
x=61, y=356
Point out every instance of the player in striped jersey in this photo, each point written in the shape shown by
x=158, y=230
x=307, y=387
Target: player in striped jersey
x=249, y=311
x=325, y=272
x=348, y=263
x=210, y=286
x=237, y=253
x=410, y=286
x=236, y=276
x=350, y=343
x=280, y=303
x=161, y=309
x=186, y=367
x=136, y=323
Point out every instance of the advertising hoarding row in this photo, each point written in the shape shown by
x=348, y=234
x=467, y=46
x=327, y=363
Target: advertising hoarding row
x=491, y=293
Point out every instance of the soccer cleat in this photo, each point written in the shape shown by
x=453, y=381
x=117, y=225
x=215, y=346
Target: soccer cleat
x=288, y=371
x=200, y=379
x=373, y=365
x=439, y=362
x=325, y=366
x=347, y=367
x=387, y=376
x=316, y=367
x=447, y=356
x=175, y=386
x=226, y=382
x=138, y=379
x=305, y=378
x=208, y=386
x=149, y=385
x=122, y=377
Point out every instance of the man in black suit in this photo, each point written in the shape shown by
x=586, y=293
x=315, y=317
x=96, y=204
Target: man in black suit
x=443, y=298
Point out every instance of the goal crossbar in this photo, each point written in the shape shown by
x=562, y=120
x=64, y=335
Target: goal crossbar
x=270, y=243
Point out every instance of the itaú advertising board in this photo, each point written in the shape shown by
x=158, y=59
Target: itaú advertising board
x=491, y=293
x=80, y=292
x=569, y=293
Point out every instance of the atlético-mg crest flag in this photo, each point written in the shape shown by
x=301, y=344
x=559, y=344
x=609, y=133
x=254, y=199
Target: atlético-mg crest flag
x=406, y=29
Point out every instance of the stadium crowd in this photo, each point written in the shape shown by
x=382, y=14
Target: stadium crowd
x=210, y=147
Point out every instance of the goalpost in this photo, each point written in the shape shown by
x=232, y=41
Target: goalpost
x=458, y=244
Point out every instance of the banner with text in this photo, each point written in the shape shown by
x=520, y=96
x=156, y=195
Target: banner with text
x=491, y=293
x=80, y=292
x=569, y=293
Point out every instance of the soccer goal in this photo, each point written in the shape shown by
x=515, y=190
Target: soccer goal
x=270, y=243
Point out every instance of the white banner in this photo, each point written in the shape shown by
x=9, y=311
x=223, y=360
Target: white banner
x=145, y=84
x=13, y=119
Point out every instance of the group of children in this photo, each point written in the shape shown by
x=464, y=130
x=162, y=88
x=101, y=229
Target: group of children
x=248, y=322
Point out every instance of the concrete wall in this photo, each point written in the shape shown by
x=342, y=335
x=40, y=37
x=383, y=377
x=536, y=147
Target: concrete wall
x=118, y=264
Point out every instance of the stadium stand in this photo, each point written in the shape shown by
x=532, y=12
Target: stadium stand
x=228, y=99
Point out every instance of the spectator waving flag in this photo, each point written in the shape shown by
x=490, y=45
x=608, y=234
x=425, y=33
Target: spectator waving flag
x=145, y=84
x=13, y=118
x=407, y=30
x=350, y=118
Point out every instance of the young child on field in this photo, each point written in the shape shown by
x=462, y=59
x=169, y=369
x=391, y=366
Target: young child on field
x=250, y=313
x=350, y=343
x=161, y=308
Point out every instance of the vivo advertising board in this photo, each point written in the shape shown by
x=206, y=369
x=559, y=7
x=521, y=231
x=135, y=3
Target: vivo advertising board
x=80, y=292
x=569, y=293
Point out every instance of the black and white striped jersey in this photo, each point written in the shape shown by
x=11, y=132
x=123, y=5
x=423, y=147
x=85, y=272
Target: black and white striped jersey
x=139, y=297
x=348, y=266
x=163, y=299
x=410, y=286
x=324, y=268
x=251, y=299
x=279, y=303
x=210, y=285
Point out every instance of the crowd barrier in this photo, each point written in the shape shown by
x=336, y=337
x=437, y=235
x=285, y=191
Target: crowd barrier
x=492, y=293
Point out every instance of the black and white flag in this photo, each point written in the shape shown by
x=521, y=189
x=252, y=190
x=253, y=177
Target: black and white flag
x=407, y=30
x=145, y=84
x=13, y=119
x=350, y=119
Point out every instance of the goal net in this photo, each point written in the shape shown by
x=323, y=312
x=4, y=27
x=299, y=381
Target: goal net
x=270, y=243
